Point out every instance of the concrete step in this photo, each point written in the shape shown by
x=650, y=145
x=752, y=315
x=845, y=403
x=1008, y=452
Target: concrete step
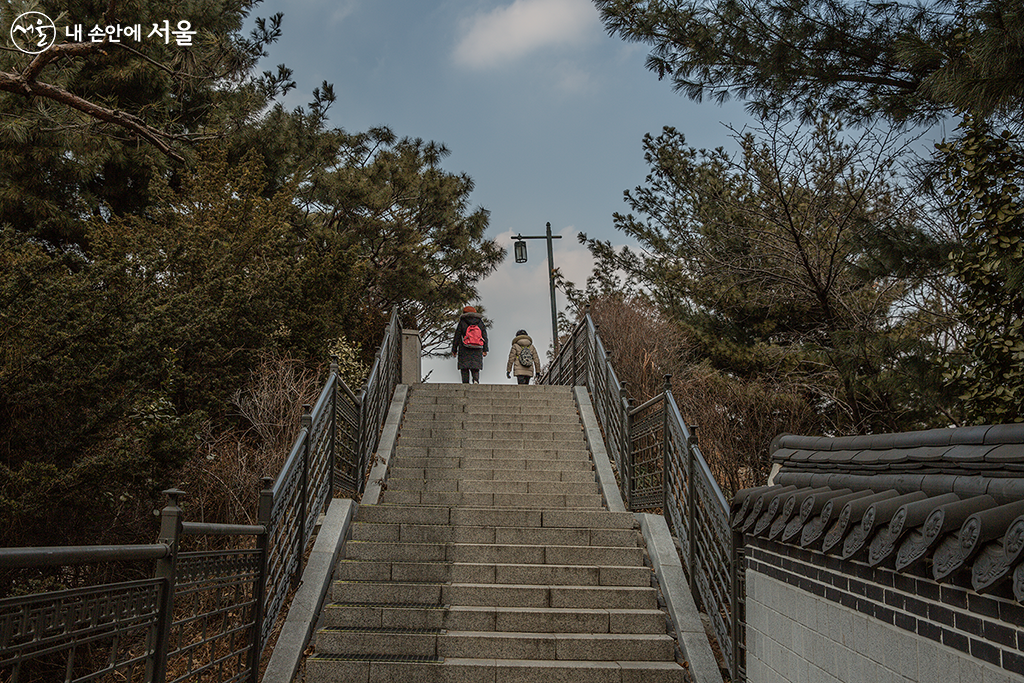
x=393, y=570
x=499, y=452
x=494, y=449
x=388, y=592
x=429, y=388
x=557, y=646
x=510, y=389
x=488, y=618
x=450, y=420
x=488, y=516
x=500, y=398
x=549, y=620
x=460, y=670
x=497, y=645
x=491, y=486
x=382, y=642
x=524, y=500
x=465, y=572
x=387, y=551
x=443, y=533
x=490, y=557
x=490, y=444
x=495, y=595
x=500, y=410
x=514, y=461
x=493, y=473
x=550, y=574
x=442, y=433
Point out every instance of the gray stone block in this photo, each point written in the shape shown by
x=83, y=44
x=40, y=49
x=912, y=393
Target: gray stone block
x=324, y=670
x=594, y=597
x=652, y=672
x=594, y=520
x=385, y=592
x=546, y=620
x=492, y=645
x=382, y=642
x=394, y=552
x=495, y=595
x=546, y=575
x=528, y=671
x=394, y=514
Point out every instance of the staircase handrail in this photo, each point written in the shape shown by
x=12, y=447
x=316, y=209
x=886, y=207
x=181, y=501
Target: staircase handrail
x=646, y=442
x=247, y=585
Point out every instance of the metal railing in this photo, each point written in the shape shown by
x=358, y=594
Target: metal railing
x=660, y=466
x=202, y=615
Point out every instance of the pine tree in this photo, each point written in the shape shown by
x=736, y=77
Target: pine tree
x=86, y=126
x=782, y=262
x=906, y=61
x=984, y=173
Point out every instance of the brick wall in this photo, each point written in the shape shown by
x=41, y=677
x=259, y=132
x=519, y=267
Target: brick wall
x=812, y=617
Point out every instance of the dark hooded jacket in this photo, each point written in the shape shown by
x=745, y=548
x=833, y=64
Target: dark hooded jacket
x=469, y=358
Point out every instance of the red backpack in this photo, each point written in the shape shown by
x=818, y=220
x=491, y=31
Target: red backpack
x=473, y=338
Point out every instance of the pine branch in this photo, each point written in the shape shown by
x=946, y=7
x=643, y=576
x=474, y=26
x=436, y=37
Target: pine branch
x=29, y=87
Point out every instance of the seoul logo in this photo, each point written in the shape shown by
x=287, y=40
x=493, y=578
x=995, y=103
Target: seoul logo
x=33, y=32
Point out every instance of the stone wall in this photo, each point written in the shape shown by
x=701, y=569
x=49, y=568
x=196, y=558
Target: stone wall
x=814, y=617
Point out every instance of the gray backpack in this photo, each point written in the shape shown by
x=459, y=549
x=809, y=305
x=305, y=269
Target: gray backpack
x=525, y=356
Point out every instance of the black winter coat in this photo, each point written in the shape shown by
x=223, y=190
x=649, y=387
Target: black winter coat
x=469, y=358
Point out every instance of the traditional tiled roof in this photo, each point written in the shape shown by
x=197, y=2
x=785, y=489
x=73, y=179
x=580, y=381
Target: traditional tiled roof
x=948, y=501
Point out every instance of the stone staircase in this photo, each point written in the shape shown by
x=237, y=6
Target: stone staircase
x=491, y=558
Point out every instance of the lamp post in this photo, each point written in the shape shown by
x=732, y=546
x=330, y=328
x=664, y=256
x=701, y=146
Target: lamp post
x=519, y=247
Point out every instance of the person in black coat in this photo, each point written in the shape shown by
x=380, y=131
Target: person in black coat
x=471, y=358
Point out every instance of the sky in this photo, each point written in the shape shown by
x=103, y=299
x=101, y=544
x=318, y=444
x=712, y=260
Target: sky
x=537, y=103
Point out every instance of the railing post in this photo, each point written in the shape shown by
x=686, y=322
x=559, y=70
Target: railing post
x=735, y=560
x=585, y=355
x=665, y=448
x=691, y=508
x=333, y=443
x=627, y=446
x=361, y=467
x=592, y=360
x=170, y=535
x=259, y=592
x=307, y=423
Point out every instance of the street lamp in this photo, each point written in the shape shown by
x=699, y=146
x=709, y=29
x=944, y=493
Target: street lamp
x=520, y=250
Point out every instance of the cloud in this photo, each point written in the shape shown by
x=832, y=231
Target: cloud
x=508, y=33
x=571, y=78
x=331, y=12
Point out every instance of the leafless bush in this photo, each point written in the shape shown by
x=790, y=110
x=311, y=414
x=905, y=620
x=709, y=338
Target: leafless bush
x=736, y=418
x=642, y=345
x=223, y=481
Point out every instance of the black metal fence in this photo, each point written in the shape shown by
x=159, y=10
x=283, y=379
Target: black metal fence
x=202, y=615
x=660, y=466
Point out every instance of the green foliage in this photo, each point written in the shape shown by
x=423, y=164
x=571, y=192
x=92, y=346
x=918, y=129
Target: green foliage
x=906, y=61
x=85, y=131
x=976, y=65
x=143, y=274
x=388, y=200
x=984, y=174
x=780, y=263
x=351, y=367
x=128, y=351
